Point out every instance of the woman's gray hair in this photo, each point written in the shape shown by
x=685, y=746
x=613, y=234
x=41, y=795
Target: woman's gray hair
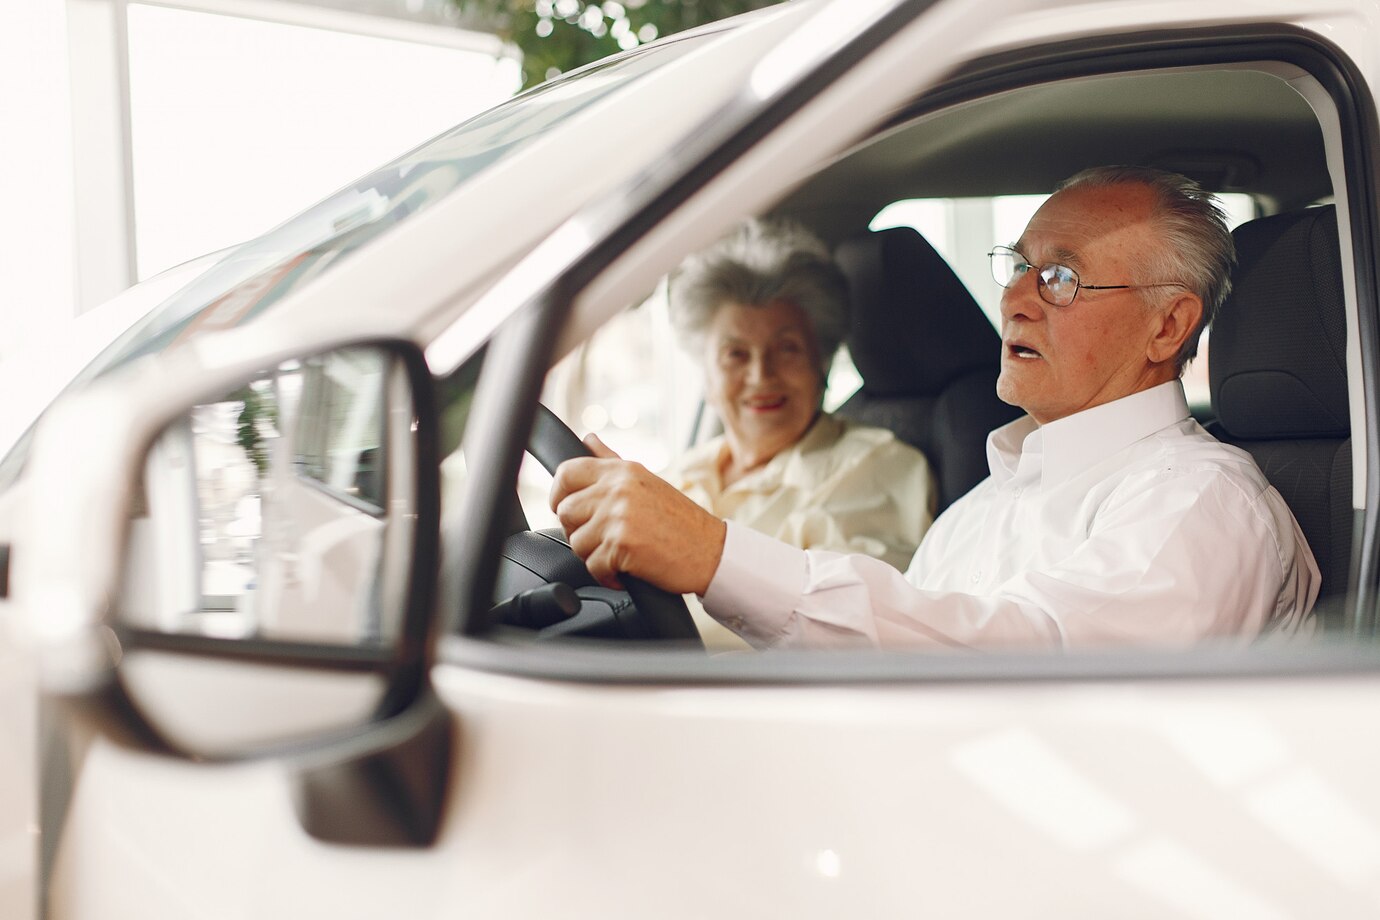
x=1196, y=248
x=761, y=262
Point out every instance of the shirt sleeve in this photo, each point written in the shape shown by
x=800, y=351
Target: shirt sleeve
x=1165, y=566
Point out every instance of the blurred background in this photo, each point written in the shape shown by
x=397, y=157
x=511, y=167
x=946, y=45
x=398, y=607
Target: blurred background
x=140, y=134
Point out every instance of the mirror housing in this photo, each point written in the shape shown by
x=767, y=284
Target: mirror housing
x=123, y=532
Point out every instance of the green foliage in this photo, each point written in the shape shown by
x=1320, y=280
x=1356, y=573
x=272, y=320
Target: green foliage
x=556, y=36
x=254, y=412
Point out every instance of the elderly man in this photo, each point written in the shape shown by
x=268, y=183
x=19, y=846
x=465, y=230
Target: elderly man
x=1109, y=516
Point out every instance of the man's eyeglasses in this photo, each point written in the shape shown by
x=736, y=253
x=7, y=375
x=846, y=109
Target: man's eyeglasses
x=1057, y=284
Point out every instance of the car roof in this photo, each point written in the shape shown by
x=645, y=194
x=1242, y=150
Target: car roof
x=1234, y=129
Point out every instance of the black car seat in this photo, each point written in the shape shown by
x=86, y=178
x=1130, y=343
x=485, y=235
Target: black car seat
x=927, y=354
x=1277, y=362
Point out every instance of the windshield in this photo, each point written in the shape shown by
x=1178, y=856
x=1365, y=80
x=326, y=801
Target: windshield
x=260, y=273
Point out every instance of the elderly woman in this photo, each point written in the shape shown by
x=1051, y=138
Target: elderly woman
x=765, y=309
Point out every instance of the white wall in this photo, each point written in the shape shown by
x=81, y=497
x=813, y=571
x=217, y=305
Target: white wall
x=37, y=272
x=239, y=124
x=36, y=255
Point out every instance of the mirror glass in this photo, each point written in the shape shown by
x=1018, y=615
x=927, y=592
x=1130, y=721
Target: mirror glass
x=283, y=510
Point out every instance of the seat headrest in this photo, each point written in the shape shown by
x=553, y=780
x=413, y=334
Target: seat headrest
x=1277, y=349
x=915, y=326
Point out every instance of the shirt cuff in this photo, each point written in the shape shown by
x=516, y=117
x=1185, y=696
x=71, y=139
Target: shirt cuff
x=757, y=587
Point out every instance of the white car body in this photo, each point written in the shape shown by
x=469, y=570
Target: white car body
x=1125, y=784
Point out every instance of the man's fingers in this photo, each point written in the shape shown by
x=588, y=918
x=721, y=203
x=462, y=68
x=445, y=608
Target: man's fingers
x=598, y=448
x=576, y=510
x=573, y=476
x=622, y=519
x=603, y=570
x=599, y=554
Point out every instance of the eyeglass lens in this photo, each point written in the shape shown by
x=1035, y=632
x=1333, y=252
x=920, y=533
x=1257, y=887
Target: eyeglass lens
x=1057, y=284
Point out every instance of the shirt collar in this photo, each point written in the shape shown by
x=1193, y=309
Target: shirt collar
x=1054, y=452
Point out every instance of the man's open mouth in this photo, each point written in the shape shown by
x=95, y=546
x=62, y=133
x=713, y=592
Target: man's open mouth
x=1018, y=350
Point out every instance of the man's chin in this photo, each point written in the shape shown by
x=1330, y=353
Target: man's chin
x=1008, y=392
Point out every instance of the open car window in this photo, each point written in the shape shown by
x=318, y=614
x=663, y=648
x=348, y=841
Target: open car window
x=635, y=386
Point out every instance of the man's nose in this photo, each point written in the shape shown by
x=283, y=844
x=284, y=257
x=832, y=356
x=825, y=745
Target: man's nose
x=1022, y=300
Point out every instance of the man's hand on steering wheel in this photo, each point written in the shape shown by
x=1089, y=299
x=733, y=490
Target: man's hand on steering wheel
x=620, y=518
x=655, y=613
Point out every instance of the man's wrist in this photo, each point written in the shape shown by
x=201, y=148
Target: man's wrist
x=714, y=554
x=757, y=584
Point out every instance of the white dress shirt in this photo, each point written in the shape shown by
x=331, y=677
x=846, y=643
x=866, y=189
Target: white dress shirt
x=842, y=486
x=1125, y=523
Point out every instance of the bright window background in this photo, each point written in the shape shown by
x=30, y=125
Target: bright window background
x=964, y=236
x=238, y=124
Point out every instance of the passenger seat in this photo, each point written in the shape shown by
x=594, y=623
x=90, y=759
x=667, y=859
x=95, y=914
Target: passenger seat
x=928, y=356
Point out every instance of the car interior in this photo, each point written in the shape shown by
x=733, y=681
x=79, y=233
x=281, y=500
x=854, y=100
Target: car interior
x=1277, y=350
x=927, y=356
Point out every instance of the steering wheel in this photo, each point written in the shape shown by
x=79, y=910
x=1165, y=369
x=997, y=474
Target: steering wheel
x=660, y=614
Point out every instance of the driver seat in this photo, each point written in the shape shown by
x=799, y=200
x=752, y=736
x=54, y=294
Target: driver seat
x=928, y=356
x=1277, y=351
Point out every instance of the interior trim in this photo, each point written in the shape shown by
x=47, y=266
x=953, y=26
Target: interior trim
x=617, y=663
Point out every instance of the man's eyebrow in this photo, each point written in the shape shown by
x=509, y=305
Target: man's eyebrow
x=1068, y=256
x=1060, y=254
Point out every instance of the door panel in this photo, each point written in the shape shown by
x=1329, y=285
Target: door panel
x=1244, y=798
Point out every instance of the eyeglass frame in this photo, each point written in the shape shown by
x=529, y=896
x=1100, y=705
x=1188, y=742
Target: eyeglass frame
x=1042, y=285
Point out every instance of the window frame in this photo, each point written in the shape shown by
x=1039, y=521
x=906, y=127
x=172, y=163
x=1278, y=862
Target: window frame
x=522, y=344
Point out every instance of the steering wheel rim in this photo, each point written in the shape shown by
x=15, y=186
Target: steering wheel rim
x=666, y=615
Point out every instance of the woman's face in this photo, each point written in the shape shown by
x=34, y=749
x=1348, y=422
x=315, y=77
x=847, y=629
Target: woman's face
x=762, y=375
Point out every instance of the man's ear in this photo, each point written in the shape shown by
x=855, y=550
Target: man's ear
x=1176, y=322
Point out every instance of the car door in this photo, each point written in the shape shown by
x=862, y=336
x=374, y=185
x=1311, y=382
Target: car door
x=633, y=781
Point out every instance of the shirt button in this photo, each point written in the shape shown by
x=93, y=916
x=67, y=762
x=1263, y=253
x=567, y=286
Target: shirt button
x=975, y=577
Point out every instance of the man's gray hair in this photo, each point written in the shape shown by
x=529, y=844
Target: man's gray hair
x=1196, y=247
x=759, y=263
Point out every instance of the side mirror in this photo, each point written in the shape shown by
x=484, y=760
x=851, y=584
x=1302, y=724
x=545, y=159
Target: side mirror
x=279, y=526
x=222, y=556
x=270, y=568
x=283, y=511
